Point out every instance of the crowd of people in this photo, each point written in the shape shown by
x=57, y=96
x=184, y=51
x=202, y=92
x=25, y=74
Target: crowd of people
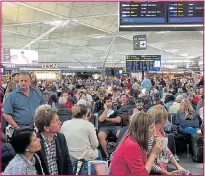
x=50, y=125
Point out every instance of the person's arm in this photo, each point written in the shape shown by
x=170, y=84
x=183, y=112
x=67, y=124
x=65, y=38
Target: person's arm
x=8, y=111
x=156, y=149
x=156, y=169
x=93, y=137
x=103, y=115
x=176, y=164
x=10, y=120
x=114, y=120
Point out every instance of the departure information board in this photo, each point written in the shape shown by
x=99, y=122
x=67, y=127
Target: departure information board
x=185, y=12
x=139, y=63
x=142, y=12
x=158, y=16
x=113, y=71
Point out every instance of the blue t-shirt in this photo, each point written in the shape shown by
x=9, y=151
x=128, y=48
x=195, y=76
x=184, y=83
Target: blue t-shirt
x=22, y=107
x=146, y=83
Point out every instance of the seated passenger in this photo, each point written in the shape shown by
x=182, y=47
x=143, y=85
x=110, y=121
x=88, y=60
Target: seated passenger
x=139, y=105
x=63, y=112
x=68, y=103
x=81, y=136
x=54, y=153
x=109, y=123
x=130, y=157
x=26, y=162
x=99, y=103
x=188, y=120
x=160, y=116
x=174, y=108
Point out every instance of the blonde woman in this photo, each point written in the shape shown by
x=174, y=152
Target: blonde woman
x=160, y=116
x=188, y=118
x=81, y=136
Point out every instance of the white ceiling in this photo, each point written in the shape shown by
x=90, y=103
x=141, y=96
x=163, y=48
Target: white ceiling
x=86, y=33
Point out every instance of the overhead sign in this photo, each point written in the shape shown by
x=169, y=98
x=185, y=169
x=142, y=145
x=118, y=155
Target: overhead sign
x=161, y=16
x=52, y=65
x=139, y=42
x=9, y=65
x=139, y=63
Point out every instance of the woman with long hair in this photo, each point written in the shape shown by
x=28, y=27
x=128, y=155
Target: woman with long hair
x=130, y=157
x=188, y=118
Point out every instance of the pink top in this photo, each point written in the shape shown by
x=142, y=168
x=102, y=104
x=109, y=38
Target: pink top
x=128, y=159
x=158, y=133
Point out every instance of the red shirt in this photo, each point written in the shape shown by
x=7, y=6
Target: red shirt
x=129, y=85
x=128, y=159
x=69, y=105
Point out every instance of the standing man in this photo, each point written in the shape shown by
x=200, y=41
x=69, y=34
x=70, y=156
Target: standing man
x=146, y=84
x=20, y=105
x=13, y=84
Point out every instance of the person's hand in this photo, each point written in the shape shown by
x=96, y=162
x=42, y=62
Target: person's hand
x=175, y=172
x=190, y=117
x=157, y=148
x=105, y=107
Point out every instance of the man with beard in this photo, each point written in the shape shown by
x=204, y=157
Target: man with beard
x=20, y=105
x=139, y=105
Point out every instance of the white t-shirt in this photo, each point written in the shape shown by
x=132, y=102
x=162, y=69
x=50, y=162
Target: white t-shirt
x=201, y=113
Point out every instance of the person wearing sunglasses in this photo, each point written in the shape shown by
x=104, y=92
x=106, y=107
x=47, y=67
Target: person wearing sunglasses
x=25, y=143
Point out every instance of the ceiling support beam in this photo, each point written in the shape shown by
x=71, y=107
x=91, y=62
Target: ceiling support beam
x=60, y=16
x=108, y=53
x=22, y=24
x=44, y=34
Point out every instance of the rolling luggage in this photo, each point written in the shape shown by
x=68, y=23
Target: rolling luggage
x=197, y=148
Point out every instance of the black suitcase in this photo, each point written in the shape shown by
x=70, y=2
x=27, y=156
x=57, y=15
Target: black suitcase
x=197, y=148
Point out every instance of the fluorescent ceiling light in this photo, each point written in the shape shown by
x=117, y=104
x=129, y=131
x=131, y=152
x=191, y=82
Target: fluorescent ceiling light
x=162, y=32
x=99, y=36
x=178, y=61
x=57, y=22
x=183, y=54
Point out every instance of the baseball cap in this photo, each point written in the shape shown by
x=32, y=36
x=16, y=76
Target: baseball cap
x=139, y=100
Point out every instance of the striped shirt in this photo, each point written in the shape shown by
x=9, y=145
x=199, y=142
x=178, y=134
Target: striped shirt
x=156, y=167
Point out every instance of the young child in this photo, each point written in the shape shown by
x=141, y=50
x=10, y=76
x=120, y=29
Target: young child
x=161, y=166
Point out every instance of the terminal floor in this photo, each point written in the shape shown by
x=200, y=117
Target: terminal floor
x=187, y=162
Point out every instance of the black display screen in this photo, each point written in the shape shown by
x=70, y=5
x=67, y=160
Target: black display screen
x=160, y=16
x=142, y=13
x=139, y=63
x=113, y=71
x=185, y=12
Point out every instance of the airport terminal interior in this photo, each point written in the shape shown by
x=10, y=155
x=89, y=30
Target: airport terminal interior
x=102, y=88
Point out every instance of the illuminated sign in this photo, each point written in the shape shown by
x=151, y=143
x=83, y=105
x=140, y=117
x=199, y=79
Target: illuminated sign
x=52, y=65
